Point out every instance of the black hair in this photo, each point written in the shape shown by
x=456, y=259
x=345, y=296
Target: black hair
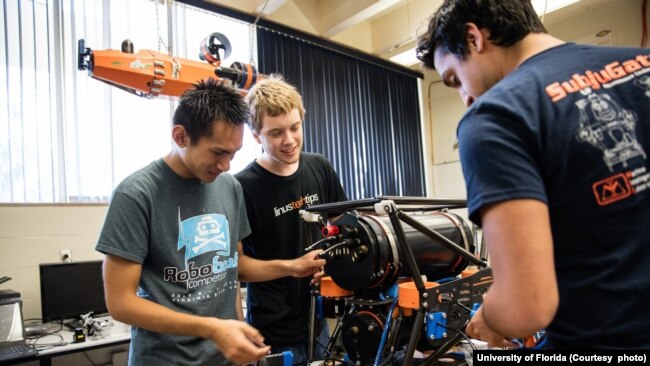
x=508, y=21
x=208, y=101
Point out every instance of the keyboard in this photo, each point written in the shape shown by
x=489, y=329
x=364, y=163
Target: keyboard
x=17, y=351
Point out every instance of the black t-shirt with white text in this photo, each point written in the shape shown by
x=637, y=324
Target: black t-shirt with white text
x=280, y=308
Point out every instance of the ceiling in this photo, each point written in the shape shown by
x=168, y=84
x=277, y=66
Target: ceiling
x=380, y=27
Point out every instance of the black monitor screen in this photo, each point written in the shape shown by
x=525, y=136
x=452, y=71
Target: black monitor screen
x=71, y=289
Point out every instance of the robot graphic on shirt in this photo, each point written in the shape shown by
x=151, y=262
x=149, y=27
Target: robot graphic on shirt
x=608, y=127
x=643, y=82
x=204, y=233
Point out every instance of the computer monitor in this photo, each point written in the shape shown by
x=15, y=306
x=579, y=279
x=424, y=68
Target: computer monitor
x=69, y=290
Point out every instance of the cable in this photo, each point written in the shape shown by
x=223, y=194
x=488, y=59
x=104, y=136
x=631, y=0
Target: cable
x=331, y=356
x=88, y=358
x=161, y=41
x=384, y=335
x=544, y=12
x=319, y=242
x=33, y=341
x=462, y=306
x=397, y=328
x=462, y=334
x=345, y=242
x=253, y=28
x=43, y=346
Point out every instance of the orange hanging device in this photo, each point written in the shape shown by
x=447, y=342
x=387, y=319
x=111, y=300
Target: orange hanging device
x=151, y=74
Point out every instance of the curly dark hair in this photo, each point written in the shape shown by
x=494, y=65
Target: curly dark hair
x=508, y=21
x=208, y=101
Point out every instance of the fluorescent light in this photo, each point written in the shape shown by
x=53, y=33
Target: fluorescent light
x=406, y=58
x=547, y=6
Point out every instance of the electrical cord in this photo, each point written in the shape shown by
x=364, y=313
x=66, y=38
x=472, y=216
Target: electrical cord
x=33, y=341
x=329, y=354
x=345, y=242
x=319, y=242
x=462, y=306
x=89, y=359
x=44, y=346
x=461, y=333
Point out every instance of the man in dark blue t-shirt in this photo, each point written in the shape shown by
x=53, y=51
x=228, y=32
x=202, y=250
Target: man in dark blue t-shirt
x=554, y=150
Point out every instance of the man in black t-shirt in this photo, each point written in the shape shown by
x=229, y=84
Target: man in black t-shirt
x=276, y=186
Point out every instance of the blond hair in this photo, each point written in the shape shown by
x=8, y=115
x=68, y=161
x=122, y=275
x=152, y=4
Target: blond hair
x=272, y=97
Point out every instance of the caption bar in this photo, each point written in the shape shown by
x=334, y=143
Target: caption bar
x=559, y=357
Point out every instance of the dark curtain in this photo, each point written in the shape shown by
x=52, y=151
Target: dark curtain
x=363, y=116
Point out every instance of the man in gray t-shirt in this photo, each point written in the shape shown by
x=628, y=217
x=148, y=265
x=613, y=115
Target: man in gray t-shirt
x=171, y=236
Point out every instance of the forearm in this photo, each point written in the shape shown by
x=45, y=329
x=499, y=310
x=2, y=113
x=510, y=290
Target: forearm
x=509, y=318
x=238, y=341
x=256, y=270
x=121, y=278
x=524, y=296
x=146, y=314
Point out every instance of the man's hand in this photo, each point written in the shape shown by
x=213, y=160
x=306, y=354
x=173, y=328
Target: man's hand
x=238, y=341
x=479, y=329
x=307, y=265
x=317, y=276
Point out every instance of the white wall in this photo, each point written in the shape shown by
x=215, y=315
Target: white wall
x=34, y=234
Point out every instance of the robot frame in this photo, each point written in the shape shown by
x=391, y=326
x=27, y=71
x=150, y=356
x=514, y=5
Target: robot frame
x=392, y=278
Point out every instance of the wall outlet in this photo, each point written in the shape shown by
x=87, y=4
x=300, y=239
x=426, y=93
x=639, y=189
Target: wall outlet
x=66, y=255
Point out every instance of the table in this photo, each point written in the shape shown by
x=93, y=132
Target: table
x=115, y=334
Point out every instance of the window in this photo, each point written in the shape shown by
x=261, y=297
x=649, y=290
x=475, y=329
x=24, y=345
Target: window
x=66, y=137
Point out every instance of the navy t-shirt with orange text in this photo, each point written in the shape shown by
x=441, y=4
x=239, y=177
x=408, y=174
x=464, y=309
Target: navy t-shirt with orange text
x=571, y=127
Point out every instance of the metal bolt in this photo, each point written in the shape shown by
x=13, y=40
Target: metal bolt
x=425, y=295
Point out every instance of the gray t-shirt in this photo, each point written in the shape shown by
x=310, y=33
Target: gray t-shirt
x=185, y=235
